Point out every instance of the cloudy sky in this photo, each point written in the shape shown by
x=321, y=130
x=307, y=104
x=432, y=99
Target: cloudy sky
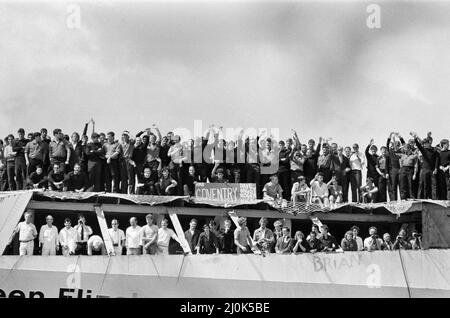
x=315, y=67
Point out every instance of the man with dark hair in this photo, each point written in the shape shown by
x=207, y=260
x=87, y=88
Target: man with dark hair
x=443, y=174
x=83, y=233
x=328, y=241
x=284, y=170
x=192, y=235
x=147, y=183
x=369, y=191
x=95, y=155
x=36, y=151
x=37, y=179
x=127, y=165
x=324, y=163
x=18, y=146
x=56, y=178
x=207, y=242
x=408, y=172
x=394, y=160
x=139, y=157
x=310, y=165
x=112, y=151
x=76, y=180
x=373, y=242
x=430, y=164
x=10, y=157
x=372, y=159
x=357, y=162
x=401, y=241
x=341, y=169
x=383, y=167
x=59, y=150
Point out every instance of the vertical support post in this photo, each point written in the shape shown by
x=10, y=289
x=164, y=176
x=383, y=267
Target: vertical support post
x=104, y=229
x=179, y=230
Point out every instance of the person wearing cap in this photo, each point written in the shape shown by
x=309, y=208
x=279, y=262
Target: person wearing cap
x=36, y=152
x=443, y=175
x=272, y=189
x=127, y=165
x=357, y=238
x=300, y=191
x=59, y=150
x=430, y=165
x=264, y=237
x=48, y=237
x=373, y=242
x=95, y=156
x=112, y=150
x=328, y=241
x=242, y=238
x=96, y=246
x=18, y=146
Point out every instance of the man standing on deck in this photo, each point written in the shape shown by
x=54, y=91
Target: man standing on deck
x=133, y=238
x=48, y=237
x=149, y=236
x=27, y=233
x=83, y=231
x=117, y=237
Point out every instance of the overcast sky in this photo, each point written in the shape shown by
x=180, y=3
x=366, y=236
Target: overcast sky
x=315, y=67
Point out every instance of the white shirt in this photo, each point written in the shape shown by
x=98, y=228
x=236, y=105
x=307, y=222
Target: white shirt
x=133, y=237
x=86, y=233
x=116, y=236
x=27, y=232
x=68, y=237
x=48, y=235
x=149, y=233
x=319, y=190
x=357, y=161
x=164, y=236
x=368, y=243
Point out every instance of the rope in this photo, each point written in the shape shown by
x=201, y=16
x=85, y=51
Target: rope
x=404, y=274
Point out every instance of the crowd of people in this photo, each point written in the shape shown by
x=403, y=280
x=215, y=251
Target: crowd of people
x=152, y=164
x=151, y=239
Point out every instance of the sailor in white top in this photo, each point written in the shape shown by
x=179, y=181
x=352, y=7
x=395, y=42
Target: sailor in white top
x=164, y=236
x=27, y=233
x=133, y=238
x=68, y=238
x=48, y=237
x=117, y=237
